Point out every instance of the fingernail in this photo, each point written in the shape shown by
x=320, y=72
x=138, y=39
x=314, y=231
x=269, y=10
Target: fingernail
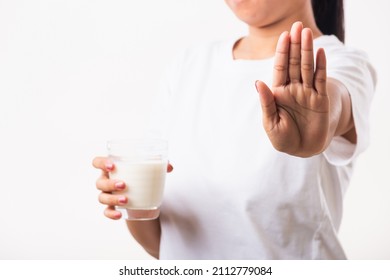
x=120, y=185
x=109, y=166
x=122, y=200
x=257, y=84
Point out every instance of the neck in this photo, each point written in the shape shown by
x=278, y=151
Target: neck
x=260, y=43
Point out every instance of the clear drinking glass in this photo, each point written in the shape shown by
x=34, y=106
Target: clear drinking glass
x=142, y=165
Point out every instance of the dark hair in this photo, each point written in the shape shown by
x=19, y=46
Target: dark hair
x=329, y=16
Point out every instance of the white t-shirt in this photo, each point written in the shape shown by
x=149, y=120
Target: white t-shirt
x=231, y=195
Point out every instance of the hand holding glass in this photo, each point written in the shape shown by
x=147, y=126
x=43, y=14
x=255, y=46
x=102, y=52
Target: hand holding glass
x=142, y=165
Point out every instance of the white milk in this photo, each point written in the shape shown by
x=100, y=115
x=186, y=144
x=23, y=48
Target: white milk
x=144, y=182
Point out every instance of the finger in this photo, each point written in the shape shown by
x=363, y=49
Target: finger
x=111, y=213
x=268, y=105
x=107, y=185
x=320, y=74
x=281, y=61
x=307, y=64
x=294, y=61
x=103, y=163
x=112, y=200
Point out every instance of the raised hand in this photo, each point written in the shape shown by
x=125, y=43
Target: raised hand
x=296, y=108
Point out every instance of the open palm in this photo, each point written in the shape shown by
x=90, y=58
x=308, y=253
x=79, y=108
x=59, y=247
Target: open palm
x=296, y=108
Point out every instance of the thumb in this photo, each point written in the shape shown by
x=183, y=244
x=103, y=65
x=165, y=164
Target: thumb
x=267, y=101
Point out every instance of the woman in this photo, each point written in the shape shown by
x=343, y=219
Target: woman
x=246, y=189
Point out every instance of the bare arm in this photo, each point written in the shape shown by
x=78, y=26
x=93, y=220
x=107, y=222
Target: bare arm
x=147, y=234
x=341, y=119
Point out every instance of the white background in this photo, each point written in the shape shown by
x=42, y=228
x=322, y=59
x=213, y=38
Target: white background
x=74, y=73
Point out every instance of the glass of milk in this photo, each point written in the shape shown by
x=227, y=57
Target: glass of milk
x=142, y=165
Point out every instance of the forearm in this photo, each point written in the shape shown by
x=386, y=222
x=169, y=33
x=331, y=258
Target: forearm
x=340, y=118
x=147, y=234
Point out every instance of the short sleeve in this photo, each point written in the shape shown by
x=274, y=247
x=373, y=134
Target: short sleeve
x=353, y=69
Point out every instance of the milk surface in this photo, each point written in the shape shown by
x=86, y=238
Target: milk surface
x=144, y=181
